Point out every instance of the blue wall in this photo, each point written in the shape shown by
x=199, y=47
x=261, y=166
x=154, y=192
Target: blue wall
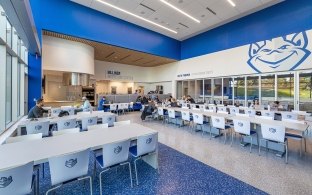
x=34, y=79
x=66, y=17
x=282, y=19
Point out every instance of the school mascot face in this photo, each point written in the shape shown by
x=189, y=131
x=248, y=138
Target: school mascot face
x=280, y=54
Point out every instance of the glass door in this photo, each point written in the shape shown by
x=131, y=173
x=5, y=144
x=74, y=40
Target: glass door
x=285, y=91
x=217, y=91
x=207, y=91
x=267, y=90
x=305, y=91
x=239, y=91
x=252, y=89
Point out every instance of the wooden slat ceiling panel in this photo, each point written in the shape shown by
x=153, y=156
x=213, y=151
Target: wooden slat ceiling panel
x=109, y=53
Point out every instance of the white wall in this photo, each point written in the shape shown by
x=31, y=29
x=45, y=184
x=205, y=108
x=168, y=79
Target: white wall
x=69, y=56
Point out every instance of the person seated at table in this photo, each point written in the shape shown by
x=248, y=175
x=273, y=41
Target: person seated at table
x=139, y=99
x=167, y=102
x=148, y=110
x=101, y=103
x=174, y=103
x=86, y=106
x=37, y=111
x=190, y=99
x=144, y=100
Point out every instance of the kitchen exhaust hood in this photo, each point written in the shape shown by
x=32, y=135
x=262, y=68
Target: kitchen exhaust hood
x=72, y=78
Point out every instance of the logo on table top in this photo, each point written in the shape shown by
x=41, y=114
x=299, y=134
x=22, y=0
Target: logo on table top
x=38, y=127
x=118, y=149
x=240, y=124
x=5, y=181
x=272, y=130
x=90, y=120
x=71, y=163
x=66, y=124
x=282, y=53
x=149, y=140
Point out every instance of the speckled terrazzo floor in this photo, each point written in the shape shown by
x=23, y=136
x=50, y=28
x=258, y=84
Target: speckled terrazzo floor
x=266, y=172
x=180, y=174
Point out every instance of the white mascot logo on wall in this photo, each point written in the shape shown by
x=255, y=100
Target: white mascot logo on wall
x=280, y=54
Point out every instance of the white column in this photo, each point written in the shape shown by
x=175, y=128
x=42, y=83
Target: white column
x=22, y=89
x=2, y=87
x=14, y=89
x=174, y=88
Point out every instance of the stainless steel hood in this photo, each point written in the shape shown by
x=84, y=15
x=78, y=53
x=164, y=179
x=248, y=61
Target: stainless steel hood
x=72, y=78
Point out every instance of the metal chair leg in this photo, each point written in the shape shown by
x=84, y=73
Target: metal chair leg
x=232, y=138
x=136, y=172
x=286, y=148
x=250, y=143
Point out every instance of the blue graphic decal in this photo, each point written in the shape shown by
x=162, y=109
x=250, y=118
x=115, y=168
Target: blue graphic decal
x=280, y=54
x=71, y=163
x=5, y=181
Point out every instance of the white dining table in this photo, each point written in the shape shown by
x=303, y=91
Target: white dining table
x=54, y=120
x=39, y=151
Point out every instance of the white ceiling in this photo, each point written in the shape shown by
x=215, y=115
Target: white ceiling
x=170, y=18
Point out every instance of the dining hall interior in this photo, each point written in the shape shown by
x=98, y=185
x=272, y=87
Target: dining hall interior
x=155, y=97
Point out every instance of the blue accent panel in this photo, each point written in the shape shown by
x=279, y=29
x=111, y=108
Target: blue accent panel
x=34, y=79
x=290, y=16
x=66, y=17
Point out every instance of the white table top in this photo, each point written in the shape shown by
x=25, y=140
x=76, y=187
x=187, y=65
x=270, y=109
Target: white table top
x=15, y=154
x=288, y=125
x=54, y=120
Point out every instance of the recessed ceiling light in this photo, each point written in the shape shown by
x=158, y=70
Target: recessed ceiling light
x=182, y=12
x=134, y=15
x=231, y=2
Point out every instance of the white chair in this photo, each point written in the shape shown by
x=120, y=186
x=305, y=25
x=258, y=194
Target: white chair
x=35, y=127
x=243, y=127
x=146, y=145
x=113, y=107
x=17, y=180
x=23, y=138
x=88, y=121
x=65, y=131
x=267, y=113
x=296, y=136
x=125, y=107
x=98, y=126
x=114, y=154
x=131, y=106
x=219, y=123
x=276, y=134
x=222, y=109
x=250, y=112
x=184, y=105
x=66, y=124
x=289, y=115
x=109, y=120
x=172, y=115
x=214, y=108
x=234, y=110
x=55, y=112
x=186, y=117
x=162, y=113
x=192, y=106
x=202, y=107
x=120, y=108
x=68, y=168
x=264, y=117
x=198, y=119
x=122, y=123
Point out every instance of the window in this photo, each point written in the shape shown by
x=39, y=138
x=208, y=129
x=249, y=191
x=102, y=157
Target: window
x=129, y=90
x=217, y=91
x=8, y=98
x=114, y=90
x=179, y=89
x=207, y=90
x=239, y=91
x=267, y=89
x=9, y=34
x=285, y=90
x=227, y=91
x=199, y=90
x=305, y=91
x=252, y=88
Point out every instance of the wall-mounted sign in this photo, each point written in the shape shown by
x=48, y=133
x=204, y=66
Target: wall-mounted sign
x=113, y=72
